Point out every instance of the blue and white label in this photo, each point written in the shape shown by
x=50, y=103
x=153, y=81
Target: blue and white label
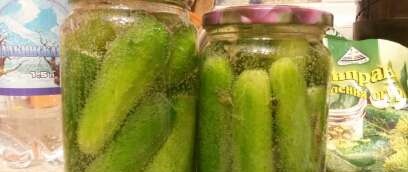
x=29, y=52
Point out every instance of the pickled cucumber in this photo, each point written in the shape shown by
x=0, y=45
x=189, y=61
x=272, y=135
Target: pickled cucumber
x=92, y=37
x=318, y=108
x=78, y=75
x=183, y=58
x=310, y=58
x=297, y=49
x=176, y=155
x=293, y=128
x=131, y=65
x=252, y=123
x=214, y=152
x=142, y=135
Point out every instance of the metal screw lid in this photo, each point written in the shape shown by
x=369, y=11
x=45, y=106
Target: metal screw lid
x=268, y=14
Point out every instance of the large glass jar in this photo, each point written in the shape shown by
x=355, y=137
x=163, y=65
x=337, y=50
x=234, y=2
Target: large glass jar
x=128, y=78
x=263, y=86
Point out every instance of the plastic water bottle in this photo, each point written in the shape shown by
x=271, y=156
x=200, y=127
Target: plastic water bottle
x=30, y=101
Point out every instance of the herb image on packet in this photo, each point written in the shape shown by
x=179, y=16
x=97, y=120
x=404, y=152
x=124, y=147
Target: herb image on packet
x=368, y=116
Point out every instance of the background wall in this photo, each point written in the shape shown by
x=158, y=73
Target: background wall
x=344, y=14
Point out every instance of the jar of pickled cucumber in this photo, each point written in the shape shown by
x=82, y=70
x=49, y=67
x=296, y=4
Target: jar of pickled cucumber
x=263, y=86
x=128, y=76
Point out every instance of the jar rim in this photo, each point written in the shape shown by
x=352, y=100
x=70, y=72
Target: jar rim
x=266, y=31
x=268, y=14
x=183, y=4
x=131, y=6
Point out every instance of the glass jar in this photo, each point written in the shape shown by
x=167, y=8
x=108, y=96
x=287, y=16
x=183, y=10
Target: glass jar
x=128, y=77
x=263, y=86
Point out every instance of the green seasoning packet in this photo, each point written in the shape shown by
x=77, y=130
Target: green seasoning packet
x=368, y=117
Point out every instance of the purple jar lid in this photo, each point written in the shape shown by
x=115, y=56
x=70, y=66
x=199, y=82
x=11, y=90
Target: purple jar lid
x=268, y=14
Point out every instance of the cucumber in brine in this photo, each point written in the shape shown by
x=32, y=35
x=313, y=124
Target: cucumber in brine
x=176, y=155
x=183, y=57
x=293, y=128
x=214, y=135
x=252, y=123
x=132, y=64
x=142, y=135
x=81, y=57
x=78, y=76
x=318, y=109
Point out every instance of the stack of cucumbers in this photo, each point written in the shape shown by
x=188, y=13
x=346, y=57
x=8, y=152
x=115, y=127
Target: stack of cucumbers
x=129, y=101
x=265, y=114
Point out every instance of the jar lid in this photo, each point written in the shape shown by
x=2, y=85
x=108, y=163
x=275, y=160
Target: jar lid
x=268, y=14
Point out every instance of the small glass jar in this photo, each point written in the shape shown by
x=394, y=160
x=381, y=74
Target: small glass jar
x=128, y=78
x=263, y=87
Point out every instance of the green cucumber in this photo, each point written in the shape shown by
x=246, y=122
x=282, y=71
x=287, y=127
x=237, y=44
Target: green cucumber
x=297, y=49
x=252, y=123
x=78, y=75
x=183, y=58
x=214, y=135
x=142, y=135
x=311, y=59
x=176, y=155
x=131, y=65
x=293, y=128
x=318, y=109
x=92, y=37
x=79, y=70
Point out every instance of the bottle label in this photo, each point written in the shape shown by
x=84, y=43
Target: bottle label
x=29, y=58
